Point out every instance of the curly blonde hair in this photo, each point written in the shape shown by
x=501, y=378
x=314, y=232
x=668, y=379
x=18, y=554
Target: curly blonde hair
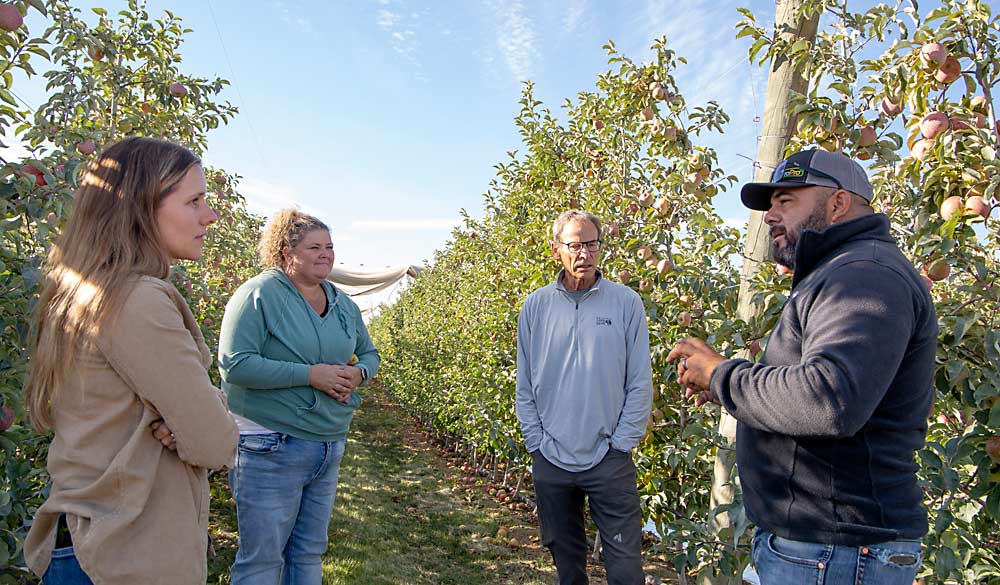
x=285, y=231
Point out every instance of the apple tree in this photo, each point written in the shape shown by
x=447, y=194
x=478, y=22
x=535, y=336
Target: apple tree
x=911, y=93
x=629, y=151
x=115, y=78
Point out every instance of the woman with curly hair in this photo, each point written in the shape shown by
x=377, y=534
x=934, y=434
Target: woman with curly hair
x=286, y=350
x=119, y=373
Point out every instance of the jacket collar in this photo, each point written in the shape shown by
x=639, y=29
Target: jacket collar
x=593, y=287
x=814, y=247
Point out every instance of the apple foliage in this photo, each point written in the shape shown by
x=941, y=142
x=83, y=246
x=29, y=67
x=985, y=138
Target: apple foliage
x=628, y=151
x=105, y=81
x=935, y=138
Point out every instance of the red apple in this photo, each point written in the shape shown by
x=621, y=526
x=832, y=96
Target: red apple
x=933, y=54
x=598, y=125
x=937, y=270
x=633, y=207
x=683, y=318
x=10, y=17
x=755, y=348
x=889, y=108
x=960, y=125
x=662, y=206
x=95, y=53
x=868, y=137
x=86, y=148
x=978, y=205
x=646, y=199
x=933, y=124
x=921, y=148
x=993, y=448
x=624, y=277
x=644, y=253
x=658, y=91
x=32, y=171
x=177, y=89
x=146, y=108
x=663, y=267
x=949, y=71
x=645, y=285
x=613, y=229
x=951, y=206
x=6, y=418
x=647, y=114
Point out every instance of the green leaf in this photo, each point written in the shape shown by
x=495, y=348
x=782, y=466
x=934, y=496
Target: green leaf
x=962, y=326
x=994, y=420
x=798, y=46
x=39, y=5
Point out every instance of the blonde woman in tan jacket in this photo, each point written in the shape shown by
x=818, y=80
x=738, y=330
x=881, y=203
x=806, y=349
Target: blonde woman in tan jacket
x=116, y=352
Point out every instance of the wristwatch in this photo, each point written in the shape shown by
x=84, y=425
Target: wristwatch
x=364, y=372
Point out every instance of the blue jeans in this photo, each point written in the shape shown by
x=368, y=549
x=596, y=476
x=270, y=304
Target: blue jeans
x=780, y=561
x=284, y=489
x=64, y=569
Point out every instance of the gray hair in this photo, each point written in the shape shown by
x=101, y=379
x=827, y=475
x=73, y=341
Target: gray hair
x=574, y=215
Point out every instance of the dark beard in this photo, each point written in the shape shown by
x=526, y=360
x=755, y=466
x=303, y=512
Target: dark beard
x=786, y=254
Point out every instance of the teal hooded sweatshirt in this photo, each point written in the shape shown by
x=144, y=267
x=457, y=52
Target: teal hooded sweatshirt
x=270, y=337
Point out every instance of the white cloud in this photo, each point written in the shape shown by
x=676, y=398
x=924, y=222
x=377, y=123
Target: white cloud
x=515, y=37
x=286, y=16
x=576, y=14
x=401, y=26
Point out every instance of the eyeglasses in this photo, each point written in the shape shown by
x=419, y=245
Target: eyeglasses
x=577, y=247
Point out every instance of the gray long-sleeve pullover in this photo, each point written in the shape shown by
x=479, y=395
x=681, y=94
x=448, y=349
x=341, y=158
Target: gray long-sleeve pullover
x=584, y=379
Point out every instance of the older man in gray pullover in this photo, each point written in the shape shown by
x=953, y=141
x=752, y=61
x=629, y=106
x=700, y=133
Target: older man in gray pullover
x=584, y=390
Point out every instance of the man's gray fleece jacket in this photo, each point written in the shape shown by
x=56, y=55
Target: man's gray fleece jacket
x=584, y=380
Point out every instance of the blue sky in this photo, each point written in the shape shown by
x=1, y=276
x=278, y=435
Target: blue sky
x=386, y=117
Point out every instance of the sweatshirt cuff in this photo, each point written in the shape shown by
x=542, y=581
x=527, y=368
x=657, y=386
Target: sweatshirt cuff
x=300, y=375
x=719, y=382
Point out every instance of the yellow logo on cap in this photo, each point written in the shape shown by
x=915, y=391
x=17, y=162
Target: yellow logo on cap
x=793, y=172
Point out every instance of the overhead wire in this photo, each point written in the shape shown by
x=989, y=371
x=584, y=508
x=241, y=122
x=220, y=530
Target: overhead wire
x=245, y=113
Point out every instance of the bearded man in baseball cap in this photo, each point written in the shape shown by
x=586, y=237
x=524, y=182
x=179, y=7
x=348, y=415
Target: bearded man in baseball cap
x=830, y=418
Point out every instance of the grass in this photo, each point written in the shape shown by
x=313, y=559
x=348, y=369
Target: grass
x=406, y=515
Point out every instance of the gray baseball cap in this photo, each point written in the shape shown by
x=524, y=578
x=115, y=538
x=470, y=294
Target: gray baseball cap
x=810, y=167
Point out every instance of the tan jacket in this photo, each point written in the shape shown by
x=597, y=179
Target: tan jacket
x=138, y=512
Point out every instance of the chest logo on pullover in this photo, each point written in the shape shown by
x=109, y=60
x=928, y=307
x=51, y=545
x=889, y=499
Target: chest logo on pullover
x=604, y=321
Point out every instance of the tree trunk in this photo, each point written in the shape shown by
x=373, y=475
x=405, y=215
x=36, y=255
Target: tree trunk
x=777, y=128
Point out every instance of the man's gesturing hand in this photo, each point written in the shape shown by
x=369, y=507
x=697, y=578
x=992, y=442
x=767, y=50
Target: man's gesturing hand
x=697, y=361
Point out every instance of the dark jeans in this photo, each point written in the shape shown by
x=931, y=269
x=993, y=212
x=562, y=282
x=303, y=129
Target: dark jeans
x=614, y=505
x=65, y=569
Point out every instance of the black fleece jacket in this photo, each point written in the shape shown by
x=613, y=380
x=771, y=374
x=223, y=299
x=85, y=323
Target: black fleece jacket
x=831, y=417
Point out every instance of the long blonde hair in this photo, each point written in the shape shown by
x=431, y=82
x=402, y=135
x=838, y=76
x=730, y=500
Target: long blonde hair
x=110, y=238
